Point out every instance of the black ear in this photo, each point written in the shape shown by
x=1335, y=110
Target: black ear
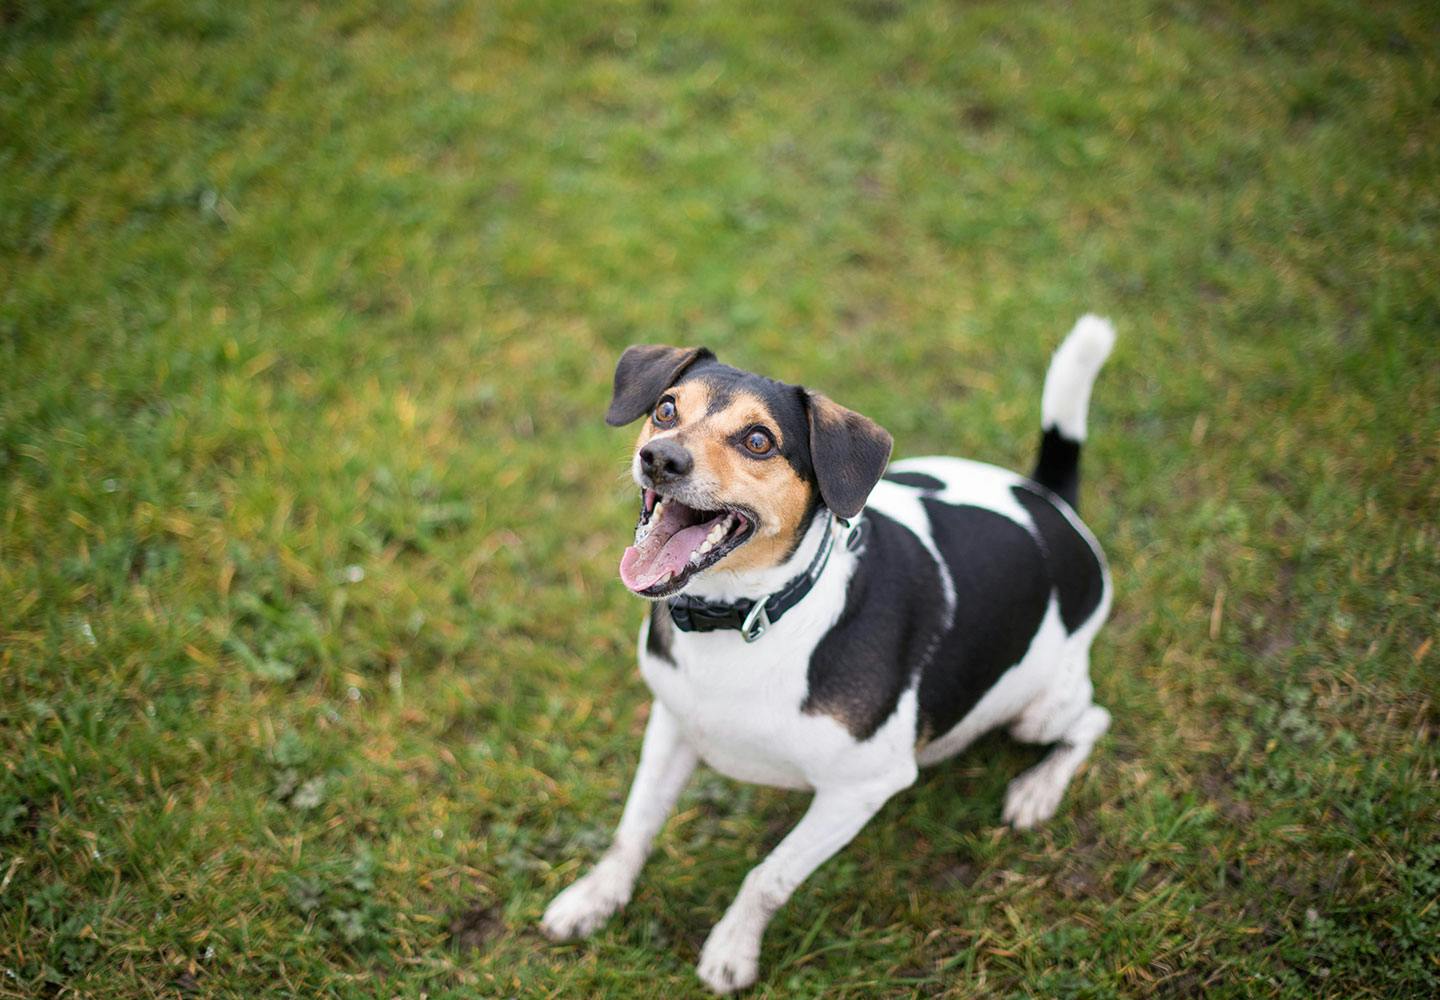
x=849, y=453
x=644, y=372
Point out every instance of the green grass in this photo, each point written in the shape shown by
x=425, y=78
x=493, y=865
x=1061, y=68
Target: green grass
x=315, y=676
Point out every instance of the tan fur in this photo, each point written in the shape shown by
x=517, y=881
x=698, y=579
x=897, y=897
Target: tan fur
x=725, y=473
x=692, y=399
x=770, y=487
x=824, y=410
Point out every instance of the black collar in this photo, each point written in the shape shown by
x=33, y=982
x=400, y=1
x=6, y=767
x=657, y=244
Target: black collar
x=752, y=618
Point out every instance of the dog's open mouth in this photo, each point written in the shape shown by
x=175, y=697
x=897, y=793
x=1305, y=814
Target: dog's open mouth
x=673, y=542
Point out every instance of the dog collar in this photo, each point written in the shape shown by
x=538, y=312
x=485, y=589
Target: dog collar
x=752, y=618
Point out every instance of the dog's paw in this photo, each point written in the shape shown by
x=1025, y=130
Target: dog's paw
x=1032, y=798
x=583, y=908
x=730, y=960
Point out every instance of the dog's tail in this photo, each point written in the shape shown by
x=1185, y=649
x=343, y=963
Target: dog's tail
x=1065, y=403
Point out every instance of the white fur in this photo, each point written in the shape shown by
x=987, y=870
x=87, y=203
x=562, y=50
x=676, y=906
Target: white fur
x=966, y=482
x=1066, y=399
x=737, y=706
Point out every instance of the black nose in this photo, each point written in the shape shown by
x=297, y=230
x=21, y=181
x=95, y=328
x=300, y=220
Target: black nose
x=665, y=459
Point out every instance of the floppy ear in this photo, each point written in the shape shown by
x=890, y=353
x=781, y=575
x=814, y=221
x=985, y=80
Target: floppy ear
x=849, y=453
x=644, y=372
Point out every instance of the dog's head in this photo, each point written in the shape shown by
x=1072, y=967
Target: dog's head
x=731, y=465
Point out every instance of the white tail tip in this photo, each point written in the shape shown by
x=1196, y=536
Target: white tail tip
x=1066, y=399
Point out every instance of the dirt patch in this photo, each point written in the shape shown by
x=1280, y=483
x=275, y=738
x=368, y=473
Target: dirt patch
x=980, y=117
x=1079, y=883
x=474, y=928
x=1275, y=634
x=1217, y=787
x=959, y=876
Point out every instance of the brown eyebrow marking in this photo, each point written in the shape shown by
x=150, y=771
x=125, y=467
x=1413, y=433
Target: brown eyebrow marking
x=692, y=400
x=744, y=411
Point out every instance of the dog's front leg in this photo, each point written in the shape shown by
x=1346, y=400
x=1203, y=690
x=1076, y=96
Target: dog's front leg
x=730, y=959
x=666, y=763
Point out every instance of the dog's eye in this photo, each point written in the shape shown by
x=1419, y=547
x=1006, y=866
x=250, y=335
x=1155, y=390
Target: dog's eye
x=758, y=442
x=665, y=412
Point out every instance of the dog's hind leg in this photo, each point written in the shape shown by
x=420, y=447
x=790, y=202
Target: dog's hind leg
x=1034, y=796
x=1069, y=719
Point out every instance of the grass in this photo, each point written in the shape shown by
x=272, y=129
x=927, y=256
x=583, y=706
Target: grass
x=315, y=676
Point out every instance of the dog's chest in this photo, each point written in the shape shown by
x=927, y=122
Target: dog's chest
x=739, y=705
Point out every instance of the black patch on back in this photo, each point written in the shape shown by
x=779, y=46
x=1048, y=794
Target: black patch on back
x=894, y=619
x=918, y=480
x=1073, y=567
x=1058, y=467
x=657, y=642
x=894, y=613
x=1001, y=590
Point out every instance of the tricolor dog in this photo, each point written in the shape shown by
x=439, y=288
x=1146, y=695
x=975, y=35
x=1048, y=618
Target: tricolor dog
x=825, y=621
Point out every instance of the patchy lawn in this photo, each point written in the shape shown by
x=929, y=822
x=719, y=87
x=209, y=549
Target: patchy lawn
x=315, y=676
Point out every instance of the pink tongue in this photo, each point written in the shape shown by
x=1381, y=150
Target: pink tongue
x=641, y=569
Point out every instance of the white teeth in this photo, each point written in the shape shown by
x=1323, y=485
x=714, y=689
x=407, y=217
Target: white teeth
x=642, y=531
x=715, y=536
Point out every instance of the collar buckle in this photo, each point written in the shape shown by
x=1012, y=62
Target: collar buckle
x=756, y=623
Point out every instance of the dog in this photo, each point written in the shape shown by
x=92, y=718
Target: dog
x=824, y=620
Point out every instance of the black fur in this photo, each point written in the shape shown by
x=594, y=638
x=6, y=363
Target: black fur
x=1073, y=567
x=894, y=610
x=661, y=635
x=1001, y=589
x=918, y=480
x=849, y=451
x=643, y=373
x=1058, y=466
